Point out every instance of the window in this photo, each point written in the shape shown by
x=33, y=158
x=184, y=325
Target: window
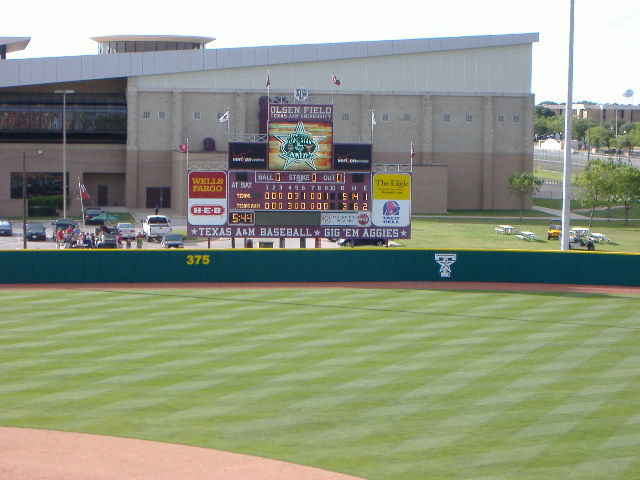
x=385, y=117
x=516, y=119
x=468, y=118
x=500, y=118
x=196, y=115
x=407, y=117
x=162, y=115
x=345, y=117
x=38, y=184
x=446, y=117
x=146, y=115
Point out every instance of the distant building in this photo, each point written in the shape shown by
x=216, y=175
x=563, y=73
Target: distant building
x=600, y=112
x=465, y=103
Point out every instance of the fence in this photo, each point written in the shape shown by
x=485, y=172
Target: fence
x=335, y=265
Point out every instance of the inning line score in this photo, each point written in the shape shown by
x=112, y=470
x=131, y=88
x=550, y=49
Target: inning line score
x=290, y=191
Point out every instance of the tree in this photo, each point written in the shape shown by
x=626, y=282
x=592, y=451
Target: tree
x=627, y=186
x=600, y=137
x=623, y=142
x=523, y=184
x=596, y=185
x=580, y=128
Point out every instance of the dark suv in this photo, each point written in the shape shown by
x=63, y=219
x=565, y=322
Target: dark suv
x=90, y=213
x=63, y=224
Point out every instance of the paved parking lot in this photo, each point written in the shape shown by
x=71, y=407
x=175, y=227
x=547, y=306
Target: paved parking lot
x=15, y=242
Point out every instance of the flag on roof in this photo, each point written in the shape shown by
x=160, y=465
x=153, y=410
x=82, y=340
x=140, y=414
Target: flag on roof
x=185, y=146
x=225, y=117
x=334, y=79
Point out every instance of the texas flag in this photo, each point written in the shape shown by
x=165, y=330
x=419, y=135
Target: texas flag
x=334, y=79
x=185, y=146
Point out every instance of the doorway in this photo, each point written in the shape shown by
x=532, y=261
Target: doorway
x=103, y=195
x=160, y=196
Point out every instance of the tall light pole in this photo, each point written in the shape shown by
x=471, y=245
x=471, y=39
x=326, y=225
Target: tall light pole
x=64, y=149
x=566, y=177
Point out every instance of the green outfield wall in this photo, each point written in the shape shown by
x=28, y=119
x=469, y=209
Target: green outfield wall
x=315, y=265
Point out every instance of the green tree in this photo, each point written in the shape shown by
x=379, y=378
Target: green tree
x=544, y=112
x=580, y=128
x=627, y=187
x=600, y=137
x=623, y=142
x=596, y=185
x=523, y=184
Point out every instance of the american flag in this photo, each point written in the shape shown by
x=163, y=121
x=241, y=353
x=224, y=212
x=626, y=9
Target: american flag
x=184, y=147
x=413, y=151
x=334, y=79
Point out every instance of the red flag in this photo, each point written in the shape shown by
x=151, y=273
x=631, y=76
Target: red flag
x=334, y=79
x=413, y=151
x=268, y=81
x=184, y=147
x=84, y=194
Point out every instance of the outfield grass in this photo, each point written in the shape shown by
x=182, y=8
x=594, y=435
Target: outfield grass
x=383, y=384
x=452, y=233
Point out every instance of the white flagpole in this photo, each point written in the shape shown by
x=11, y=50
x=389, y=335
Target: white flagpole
x=187, y=152
x=566, y=177
x=373, y=122
x=81, y=202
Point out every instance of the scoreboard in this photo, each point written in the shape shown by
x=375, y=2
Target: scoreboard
x=298, y=184
x=299, y=191
x=278, y=204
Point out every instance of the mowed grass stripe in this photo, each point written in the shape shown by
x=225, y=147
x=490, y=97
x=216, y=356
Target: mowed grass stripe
x=380, y=384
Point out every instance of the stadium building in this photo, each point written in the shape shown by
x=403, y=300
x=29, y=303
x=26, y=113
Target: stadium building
x=465, y=104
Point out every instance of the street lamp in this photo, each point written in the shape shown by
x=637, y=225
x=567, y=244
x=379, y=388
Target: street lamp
x=64, y=149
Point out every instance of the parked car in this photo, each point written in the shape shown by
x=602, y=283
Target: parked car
x=64, y=223
x=35, y=231
x=91, y=212
x=107, y=239
x=6, y=228
x=355, y=242
x=126, y=230
x=172, y=240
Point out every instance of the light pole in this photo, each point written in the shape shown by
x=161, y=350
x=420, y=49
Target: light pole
x=566, y=176
x=64, y=149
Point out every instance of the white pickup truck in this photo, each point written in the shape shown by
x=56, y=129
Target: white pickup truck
x=155, y=226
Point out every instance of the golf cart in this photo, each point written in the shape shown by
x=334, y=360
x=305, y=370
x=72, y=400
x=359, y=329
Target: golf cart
x=555, y=229
x=580, y=242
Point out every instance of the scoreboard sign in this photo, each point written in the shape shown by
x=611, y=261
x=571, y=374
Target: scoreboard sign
x=302, y=188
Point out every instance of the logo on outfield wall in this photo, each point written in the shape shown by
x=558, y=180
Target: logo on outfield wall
x=445, y=260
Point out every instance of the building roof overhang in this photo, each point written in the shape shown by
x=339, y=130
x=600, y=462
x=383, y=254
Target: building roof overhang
x=15, y=44
x=38, y=71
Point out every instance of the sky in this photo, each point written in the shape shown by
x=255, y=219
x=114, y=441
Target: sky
x=605, y=54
